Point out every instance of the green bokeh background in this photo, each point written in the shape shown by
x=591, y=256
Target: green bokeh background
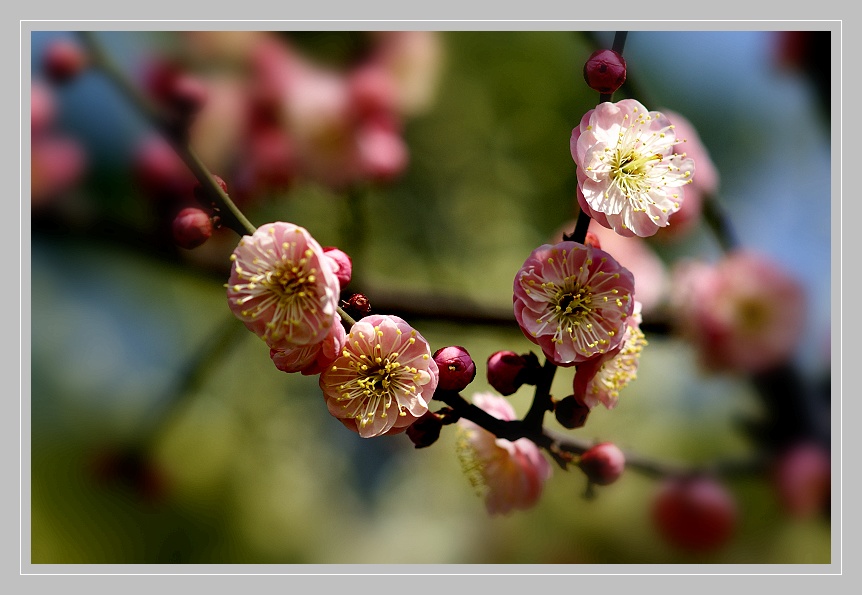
x=254, y=470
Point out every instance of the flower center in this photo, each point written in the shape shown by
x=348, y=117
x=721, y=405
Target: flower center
x=629, y=169
x=288, y=288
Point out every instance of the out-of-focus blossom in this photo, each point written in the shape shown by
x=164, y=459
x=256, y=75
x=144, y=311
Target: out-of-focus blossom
x=802, y=479
x=600, y=380
x=703, y=186
x=311, y=359
x=64, y=59
x=573, y=300
x=508, y=475
x=281, y=287
x=160, y=172
x=57, y=162
x=413, y=60
x=636, y=255
x=694, y=513
x=384, y=378
x=744, y=313
x=629, y=177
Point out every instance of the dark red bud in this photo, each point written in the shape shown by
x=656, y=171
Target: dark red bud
x=457, y=368
x=425, y=431
x=571, y=413
x=64, y=59
x=605, y=71
x=192, y=227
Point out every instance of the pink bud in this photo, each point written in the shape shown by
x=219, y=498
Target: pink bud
x=457, y=369
x=63, y=60
x=341, y=263
x=603, y=464
x=697, y=513
x=192, y=227
x=592, y=240
x=507, y=371
x=605, y=71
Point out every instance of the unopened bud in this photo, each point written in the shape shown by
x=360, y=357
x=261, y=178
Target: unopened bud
x=457, y=368
x=603, y=463
x=571, y=413
x=192, y=227
x=592, y=240
x=507, y=371
x=357, y=306
x=605, y=71
x=64, y=59
x=425, y=431
x=341, y=263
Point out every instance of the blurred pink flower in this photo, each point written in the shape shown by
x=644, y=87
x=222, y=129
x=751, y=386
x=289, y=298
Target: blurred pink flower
x=802, y=477
x=703, y=185
x=508, y=475
x=744, y=313
x=311, y=359
x=57, y=162
x=384, y=378
x=281, y=287
x=413, y=61
x=628, y=174
x=573, y=300
x=600, y=379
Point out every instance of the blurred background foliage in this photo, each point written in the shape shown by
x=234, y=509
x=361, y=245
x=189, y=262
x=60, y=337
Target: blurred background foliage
x=161, y=432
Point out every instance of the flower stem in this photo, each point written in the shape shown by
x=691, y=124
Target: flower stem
x=231, y=216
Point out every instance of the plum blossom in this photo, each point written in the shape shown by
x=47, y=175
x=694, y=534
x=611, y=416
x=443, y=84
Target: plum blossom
x=508, y=475
x=629, y=176
x=311, y=359
x=282, y=288
x=634, y=253
x=384, y=378
x=743, y=313
x=573, y=301
x=600, y=379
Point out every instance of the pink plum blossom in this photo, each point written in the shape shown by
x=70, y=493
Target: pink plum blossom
x=509, y=475
x=384, y=378
x=311, y=359
x=573, y=301
x=600, y=379
x=629, y=177
x=744, y=313
x=635, y=254
x=281, y=286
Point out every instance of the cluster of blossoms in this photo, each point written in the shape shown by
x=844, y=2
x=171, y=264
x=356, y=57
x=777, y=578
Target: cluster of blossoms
x=377, y=379
x=274, y=115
